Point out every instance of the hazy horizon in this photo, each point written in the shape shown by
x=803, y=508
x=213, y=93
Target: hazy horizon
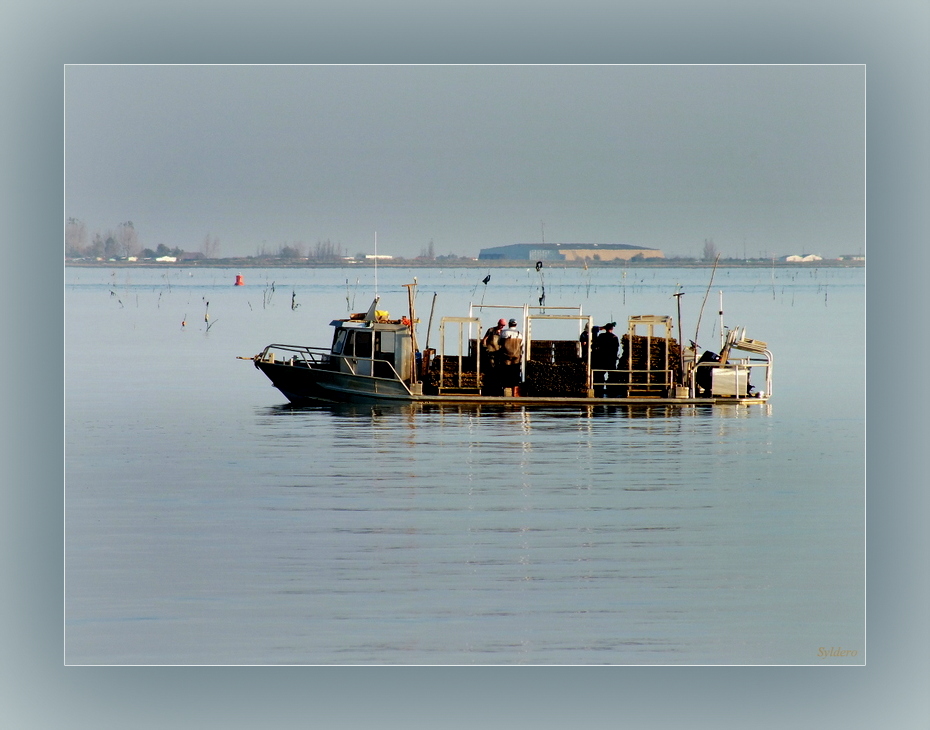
x=763, y=160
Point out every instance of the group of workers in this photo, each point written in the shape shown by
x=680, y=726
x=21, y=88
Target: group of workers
x=502, y=350
x=605, y=348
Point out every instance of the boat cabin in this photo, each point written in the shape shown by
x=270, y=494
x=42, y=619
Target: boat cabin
x=382, y=349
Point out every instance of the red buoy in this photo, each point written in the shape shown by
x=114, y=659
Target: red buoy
x=240, y=280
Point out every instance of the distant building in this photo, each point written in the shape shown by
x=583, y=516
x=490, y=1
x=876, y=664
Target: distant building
x=378, y=257
x=568, y=252
x=803, y=259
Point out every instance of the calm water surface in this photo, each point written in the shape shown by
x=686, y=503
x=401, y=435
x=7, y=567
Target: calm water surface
x=207, y=522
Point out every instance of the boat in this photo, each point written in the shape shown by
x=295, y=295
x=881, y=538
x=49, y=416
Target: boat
x=375, y=359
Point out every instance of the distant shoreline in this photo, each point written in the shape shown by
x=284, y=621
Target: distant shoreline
x=470, y=264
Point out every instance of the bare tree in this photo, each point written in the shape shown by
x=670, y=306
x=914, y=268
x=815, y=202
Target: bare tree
x=710, y=250
x=111, y=247
x=127, y=239
x=211, y=246
x=325, y=251
x=97, y=247
x=75, y=238
x=428, y=253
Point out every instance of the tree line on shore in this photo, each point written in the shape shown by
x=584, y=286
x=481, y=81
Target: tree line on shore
x=122, y=244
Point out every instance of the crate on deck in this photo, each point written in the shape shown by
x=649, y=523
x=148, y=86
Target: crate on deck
x=556, y=379
x=450, y=379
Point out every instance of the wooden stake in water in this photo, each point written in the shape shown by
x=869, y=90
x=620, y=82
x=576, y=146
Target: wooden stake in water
x=206, y=317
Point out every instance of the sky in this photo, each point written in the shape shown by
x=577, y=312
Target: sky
x=763, y=160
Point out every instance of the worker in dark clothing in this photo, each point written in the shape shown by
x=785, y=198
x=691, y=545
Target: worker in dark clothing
x=491, y=342
x=604, y=357
x=511, y=356
x=586, y=338
x=490, y=359
x=704, y=375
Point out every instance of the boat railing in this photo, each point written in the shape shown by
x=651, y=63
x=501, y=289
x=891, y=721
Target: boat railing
x=734, y=380
x=632, y=381
x=455, y=374
x=299, y=355
x=731, y=375
x=302, y=356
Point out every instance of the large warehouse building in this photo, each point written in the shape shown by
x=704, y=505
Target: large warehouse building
x=569, y=252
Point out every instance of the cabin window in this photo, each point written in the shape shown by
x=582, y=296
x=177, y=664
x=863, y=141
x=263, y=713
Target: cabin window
x=339, y=341
x=384, y=354
x=363, y=343
x=384, y=343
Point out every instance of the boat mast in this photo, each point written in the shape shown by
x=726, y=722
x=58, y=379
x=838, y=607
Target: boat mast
x=376, y=264
x=411, y=296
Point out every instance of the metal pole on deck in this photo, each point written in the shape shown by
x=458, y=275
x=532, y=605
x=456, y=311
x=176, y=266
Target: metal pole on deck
x=681, y=346
x=413, y=332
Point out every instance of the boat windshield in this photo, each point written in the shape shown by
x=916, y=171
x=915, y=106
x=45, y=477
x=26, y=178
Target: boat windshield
x=339, y=341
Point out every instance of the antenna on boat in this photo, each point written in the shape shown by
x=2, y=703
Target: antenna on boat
x=697, y=329
x=430, y=325
x=376, y=264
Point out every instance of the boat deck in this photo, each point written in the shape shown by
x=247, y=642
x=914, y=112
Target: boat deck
x=373, y=359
